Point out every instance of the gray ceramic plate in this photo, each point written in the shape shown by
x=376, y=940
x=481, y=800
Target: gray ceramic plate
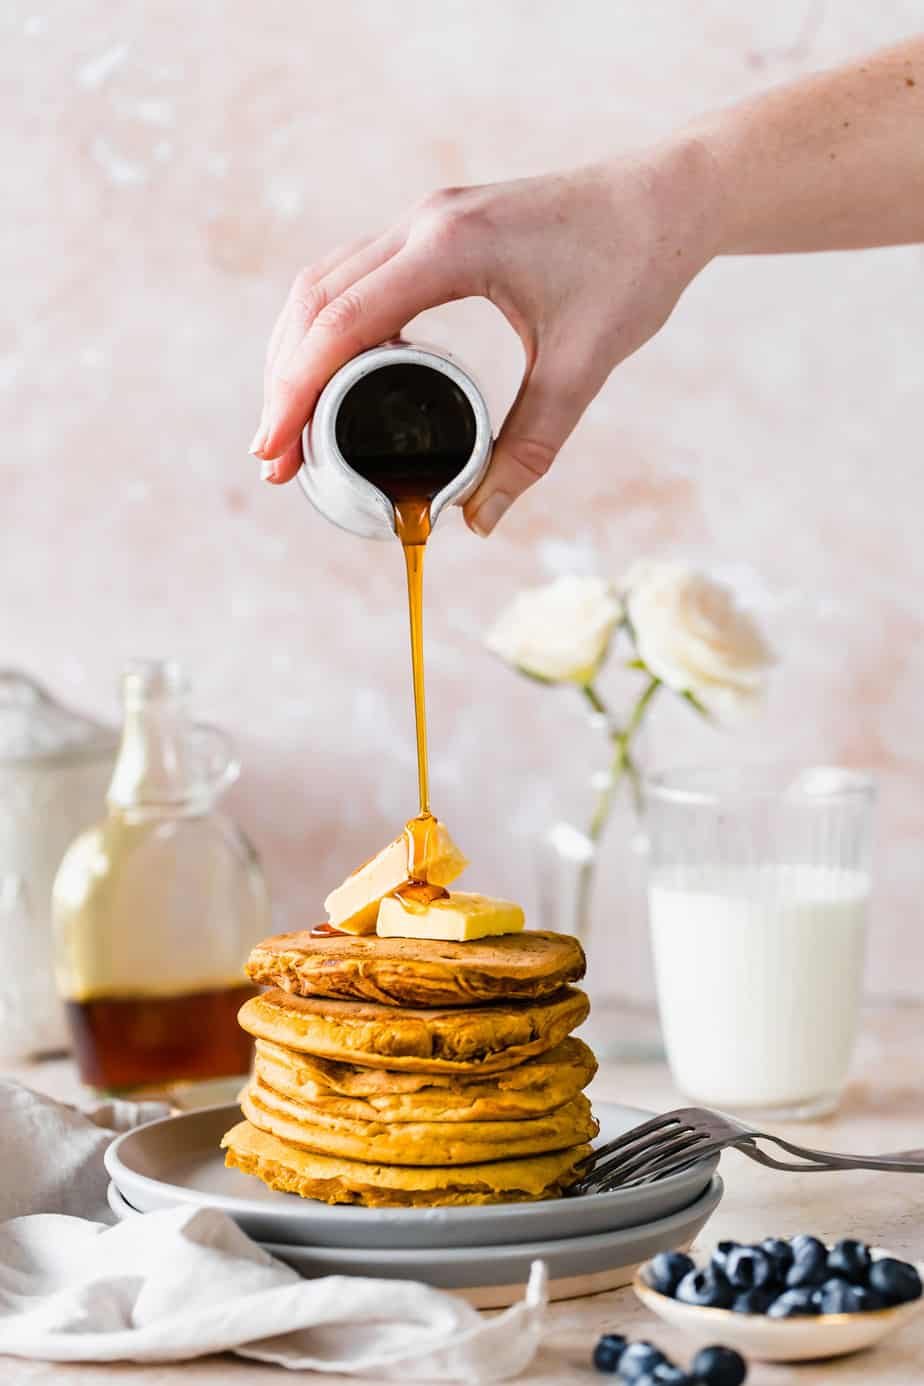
x=491, y=1276
x=178, y=1161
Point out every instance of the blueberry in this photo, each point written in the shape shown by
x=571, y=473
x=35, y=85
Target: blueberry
x=896, y=1281
x=810, y=1266
x=780, y=1254
x=851, y=1260
x=707, y=1288
x=719, y=1366
x=752, y=1301
x=720, y=1255
x=667, y=1375
x=748, y=1268
x=608, y=1352
x=837, y=1296
x=657, y=1378
x=869, y=1299
x=793, y=1304
x=640, y=1359
x=803, y=1241
x=667, y=1269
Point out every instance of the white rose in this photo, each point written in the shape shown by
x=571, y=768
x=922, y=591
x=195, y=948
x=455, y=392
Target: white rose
x=690, y=633
x=559, y=632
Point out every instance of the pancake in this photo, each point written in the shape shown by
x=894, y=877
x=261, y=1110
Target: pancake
x=419, y=972
x=293, y=1170
x=484, y=1039
x=416, y=1142
x=373, y=1094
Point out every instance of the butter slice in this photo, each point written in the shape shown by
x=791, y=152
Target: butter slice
x=461, y=917
x=354, y=906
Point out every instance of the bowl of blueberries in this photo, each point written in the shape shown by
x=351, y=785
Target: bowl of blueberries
x=785, y=1299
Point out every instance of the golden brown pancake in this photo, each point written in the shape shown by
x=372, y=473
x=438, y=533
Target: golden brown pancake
x=416, y=1142
x=419, y=972
x=373, y=1094
x=293, y=1170
x=483, y=1038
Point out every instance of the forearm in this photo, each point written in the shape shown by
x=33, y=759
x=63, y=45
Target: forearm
x=834, y=162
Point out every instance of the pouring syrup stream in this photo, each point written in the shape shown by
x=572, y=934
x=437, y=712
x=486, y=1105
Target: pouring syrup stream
x=412, y=519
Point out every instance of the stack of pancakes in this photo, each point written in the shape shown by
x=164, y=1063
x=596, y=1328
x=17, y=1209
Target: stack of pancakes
x=410, y=1071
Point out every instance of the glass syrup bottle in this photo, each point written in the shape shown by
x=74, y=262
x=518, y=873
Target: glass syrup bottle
x=157, y=906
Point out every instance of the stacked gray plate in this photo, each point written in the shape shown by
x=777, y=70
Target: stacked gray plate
x=589, y=1244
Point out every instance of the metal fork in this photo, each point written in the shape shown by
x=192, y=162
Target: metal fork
x=681, y=1138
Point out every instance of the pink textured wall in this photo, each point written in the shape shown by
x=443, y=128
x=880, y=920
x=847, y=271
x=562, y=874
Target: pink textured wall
x=166, y=170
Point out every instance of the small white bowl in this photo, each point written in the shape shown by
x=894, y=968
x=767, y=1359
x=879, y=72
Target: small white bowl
x=779, y=1340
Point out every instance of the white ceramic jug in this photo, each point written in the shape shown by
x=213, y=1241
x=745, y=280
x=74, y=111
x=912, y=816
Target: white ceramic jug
x=54, y=768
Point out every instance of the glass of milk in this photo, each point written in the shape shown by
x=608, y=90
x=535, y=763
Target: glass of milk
x=758, y=893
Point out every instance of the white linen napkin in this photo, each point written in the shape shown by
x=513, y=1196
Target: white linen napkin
x=185, y=1282
x=51, y=1155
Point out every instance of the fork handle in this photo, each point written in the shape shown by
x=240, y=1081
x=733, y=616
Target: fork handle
x=901, y=1162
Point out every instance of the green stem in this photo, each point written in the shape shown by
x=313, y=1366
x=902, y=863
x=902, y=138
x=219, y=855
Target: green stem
x=622, y=764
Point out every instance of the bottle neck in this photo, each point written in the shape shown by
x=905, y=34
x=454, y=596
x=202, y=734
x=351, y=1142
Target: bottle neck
x=154, y=771
x=167, y=765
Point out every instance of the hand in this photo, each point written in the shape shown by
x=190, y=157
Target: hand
x=585, y=266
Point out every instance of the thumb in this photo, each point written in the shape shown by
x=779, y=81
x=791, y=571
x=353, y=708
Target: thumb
x=541, y=418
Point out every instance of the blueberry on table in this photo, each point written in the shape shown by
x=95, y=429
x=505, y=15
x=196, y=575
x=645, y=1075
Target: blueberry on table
x=638, y=1359
x=667, y=1269
x=896, y=1281
x=850, y=1259
x=810, y=1267
x=794, y=1304
x=749, y=1268
x=752, y=1301
x=719, y=1366
x=666, y=1374
x=608, y=1352
x=780, y=1254
x=838, y=1296
x=720, y=1255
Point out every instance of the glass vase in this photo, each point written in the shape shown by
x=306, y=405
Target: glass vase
x=591, y=883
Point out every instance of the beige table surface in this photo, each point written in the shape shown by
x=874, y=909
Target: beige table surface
x=883, y=1110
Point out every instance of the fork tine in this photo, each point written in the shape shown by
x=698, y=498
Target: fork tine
x=624, y=1163
x=670, y=1155
x=647, y=1148
x=628, y=1138
x=697, y=1149
x=659, y=1157
x=702, y=1152
x=649, y=1176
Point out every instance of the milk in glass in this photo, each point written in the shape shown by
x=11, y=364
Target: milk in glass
x=758, y=970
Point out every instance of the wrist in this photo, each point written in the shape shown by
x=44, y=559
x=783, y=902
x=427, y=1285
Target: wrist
x=681, y=194
x=691, y=195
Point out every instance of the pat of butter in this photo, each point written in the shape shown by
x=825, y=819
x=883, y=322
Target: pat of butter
x=354, y=906
x=459, y=918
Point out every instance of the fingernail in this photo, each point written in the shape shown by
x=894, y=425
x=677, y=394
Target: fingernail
x=268, y=470
x=490, y=512
x=259, y=438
